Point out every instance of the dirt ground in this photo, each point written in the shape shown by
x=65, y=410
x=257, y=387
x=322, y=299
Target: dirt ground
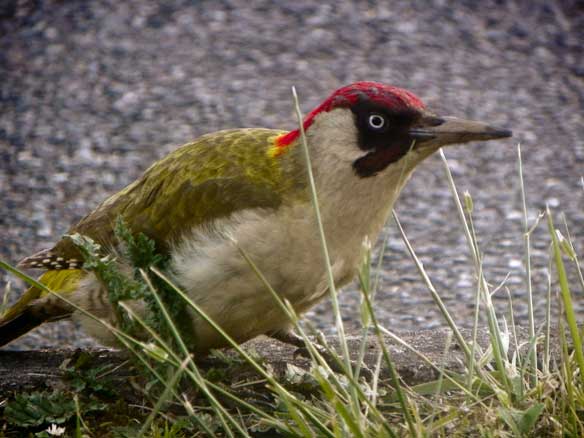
x=92, y=92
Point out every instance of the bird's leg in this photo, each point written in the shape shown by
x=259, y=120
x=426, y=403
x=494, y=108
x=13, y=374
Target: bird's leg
x=288, y=336
x=292, y=338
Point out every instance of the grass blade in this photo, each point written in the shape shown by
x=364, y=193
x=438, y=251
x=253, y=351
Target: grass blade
x=566, y=296
x=527, y=264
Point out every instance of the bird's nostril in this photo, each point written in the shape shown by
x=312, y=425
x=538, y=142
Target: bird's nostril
x=433, y=121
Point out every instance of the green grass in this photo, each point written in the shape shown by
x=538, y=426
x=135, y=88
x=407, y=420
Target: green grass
x=497, y=394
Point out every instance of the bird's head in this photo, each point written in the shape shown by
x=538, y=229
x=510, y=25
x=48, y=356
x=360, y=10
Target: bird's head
x=374, y=126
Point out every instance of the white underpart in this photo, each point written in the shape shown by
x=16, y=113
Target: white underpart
x=284, y=244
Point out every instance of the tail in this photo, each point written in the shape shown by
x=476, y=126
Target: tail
x=15, y=328
x=36, y=307
x=19, y=325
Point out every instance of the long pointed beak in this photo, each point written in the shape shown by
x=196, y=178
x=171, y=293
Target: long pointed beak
x=441, y=131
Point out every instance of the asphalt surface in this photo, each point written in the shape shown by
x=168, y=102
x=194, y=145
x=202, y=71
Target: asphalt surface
x=92, y=92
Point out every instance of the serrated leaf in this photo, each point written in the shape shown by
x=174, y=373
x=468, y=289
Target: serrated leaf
x=37, y=408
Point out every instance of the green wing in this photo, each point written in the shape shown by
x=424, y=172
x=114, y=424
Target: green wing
x=211, y=178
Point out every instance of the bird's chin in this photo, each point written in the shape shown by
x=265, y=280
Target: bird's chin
x=426, y=148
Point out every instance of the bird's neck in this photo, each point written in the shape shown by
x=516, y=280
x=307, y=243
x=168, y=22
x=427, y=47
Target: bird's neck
x=356, y=207
x=352, y=207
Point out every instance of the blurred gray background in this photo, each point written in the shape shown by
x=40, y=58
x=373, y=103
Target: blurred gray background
x=92, y=92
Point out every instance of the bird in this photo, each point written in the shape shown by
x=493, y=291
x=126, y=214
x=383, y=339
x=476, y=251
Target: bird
x=248, y=189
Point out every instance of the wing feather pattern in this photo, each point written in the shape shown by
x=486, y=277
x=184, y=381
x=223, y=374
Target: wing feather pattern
x=213, y=177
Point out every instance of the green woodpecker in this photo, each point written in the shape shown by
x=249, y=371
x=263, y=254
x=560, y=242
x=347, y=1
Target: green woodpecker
x=250, y=186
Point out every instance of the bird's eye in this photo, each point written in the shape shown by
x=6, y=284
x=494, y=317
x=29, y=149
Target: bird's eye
x=377, y=122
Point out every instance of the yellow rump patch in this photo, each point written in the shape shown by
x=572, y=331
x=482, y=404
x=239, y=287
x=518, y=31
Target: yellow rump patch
x=63, y=281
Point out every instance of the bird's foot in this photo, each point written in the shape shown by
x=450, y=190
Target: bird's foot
x=334, y=361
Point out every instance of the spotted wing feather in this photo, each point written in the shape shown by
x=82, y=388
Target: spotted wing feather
x=48, y=260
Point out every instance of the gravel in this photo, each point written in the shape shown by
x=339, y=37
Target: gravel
x=92, y=92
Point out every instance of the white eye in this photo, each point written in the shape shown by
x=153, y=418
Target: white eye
x=377, y=121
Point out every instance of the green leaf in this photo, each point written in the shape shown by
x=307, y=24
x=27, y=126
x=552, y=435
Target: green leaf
x=529, y=418
x=509, y=419
x=37, y=408
x=139, y=248
x=137, y=251
x=521, y=422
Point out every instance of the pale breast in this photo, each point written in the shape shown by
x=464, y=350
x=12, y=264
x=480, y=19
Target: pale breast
x=285, y=247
